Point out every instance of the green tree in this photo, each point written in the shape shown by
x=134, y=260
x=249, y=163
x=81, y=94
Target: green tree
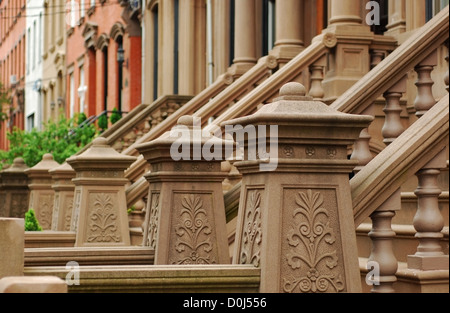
x=115, y=116
x=62, y=139
x=31, y=222
x=102, y=123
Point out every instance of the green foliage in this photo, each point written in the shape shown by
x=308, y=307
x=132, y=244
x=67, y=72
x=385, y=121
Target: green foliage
x=81, y=118
x=4, y=99
x=131, y=209
x=62, y=139
x=115, y=116
x=31, y=222
x=102, y=122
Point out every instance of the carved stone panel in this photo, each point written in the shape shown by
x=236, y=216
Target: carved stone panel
x=311, y=250
x=193, y=240
x=3, y=212
x=250, y=248
x=76, y=210
x=19, y=204
x=152, y=222
x=55, y=212
x=102, y=219
x=45, y=210
x=68, y=204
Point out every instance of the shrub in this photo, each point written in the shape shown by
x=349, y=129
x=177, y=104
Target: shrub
x=102, y=122
x=31, y=222
x=62, y=139
x=115, y=116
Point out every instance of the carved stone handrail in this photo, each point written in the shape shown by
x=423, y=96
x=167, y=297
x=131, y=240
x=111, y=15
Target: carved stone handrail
x=423, y=42
x=420, y=143
x=204, y=99
x=269, y=88
x=263, y=92
x=141, y=120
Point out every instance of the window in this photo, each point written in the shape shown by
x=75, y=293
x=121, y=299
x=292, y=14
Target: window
x=175, y=47
x=28, y=50
x=30, y=122
x=155, y=53
x=232, y=31
x=92, y=3
x=39, y=52
x=34, y=44
x=71, y=95
x=82, y=10
x=433, y=7
x=268, y=25
x=105, y=78
x=82, y=89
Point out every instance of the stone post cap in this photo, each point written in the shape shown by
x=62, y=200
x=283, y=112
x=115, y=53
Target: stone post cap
x=47, y=163
x=18, y=166
x=100, y=156
x=63, y=170
x=187, y=133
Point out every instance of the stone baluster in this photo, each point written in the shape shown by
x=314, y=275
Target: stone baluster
x=361, y=147
x=376, y=57
x=41, y=191
x=295, y=217
x=425, y=99
x=99, y=208
x=428, y=220
x=64, y=190
x=14, y=190
x=185, y=216
x=382, y=256
x=393, y=126
x=316, y=90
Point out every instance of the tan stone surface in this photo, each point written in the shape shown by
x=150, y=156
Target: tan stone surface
x=63, y=199
x=160, y=278
x=38, y=284
x=14, y=190
x=11, y=246
x=294, y=220
x=41, y=192
x=185, y=217
x=99, y=211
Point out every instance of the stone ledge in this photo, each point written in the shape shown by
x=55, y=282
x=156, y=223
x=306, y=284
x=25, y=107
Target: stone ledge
x=163, y=278
x=89, y=256
x=45, y=239
x=38, y=284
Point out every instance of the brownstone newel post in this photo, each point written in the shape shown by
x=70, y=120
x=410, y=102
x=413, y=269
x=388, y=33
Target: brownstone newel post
x=185, y=218
x=41, y=192
x=99, y=206
x=64, y=190
x=296, y=221
x=14, y=190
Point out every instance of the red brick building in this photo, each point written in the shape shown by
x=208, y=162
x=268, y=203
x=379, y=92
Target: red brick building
x=12, y=64
x=103, y=58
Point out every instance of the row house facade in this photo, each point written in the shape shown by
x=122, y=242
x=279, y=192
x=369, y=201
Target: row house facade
x=103, y=61
x=12, y=65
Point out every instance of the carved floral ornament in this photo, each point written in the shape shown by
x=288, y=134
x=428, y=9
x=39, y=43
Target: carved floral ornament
x=311, y=242
x=103, y=220
x=251, y=241
x=194, y=231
